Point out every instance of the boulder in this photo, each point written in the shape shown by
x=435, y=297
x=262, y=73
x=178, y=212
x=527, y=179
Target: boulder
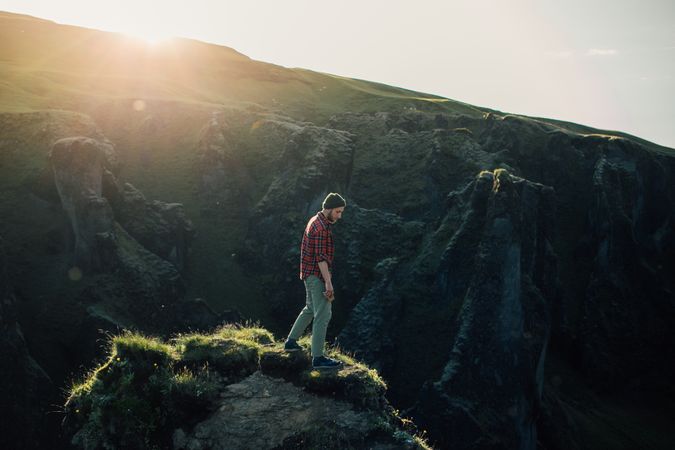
x=265, y=413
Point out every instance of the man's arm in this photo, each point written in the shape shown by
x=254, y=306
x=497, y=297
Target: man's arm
x=323, y=267
x=321, y=249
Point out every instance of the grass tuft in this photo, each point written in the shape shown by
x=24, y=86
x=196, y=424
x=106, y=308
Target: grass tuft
x=230, y=355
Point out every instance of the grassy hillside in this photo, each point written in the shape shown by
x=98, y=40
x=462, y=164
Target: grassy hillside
x=46, y=65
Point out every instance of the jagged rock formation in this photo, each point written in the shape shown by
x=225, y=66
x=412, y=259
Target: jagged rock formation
x=162, y=228
x=408, y=259
x=78, y=165
x=629, y=301
x=489, y=393
x=117, y=229
x=121, y=256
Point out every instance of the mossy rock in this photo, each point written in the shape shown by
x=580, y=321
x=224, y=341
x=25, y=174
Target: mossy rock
x=354, y=383
x=229, y=356
x=148, y=388
x=278, y=363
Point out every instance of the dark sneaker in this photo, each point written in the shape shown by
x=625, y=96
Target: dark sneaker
x=291, y=346
x=321, y=362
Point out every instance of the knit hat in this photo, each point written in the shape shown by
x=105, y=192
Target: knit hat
x=334, y=200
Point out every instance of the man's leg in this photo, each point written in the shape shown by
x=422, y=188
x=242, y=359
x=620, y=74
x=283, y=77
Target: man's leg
x=322, y=314
x=304, y=318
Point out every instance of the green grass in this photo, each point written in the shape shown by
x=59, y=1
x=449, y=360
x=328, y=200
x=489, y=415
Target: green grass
x=230, y=350
x=136, y=396
x=45, y=65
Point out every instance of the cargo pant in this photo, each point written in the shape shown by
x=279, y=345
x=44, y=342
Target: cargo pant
x=318, y=308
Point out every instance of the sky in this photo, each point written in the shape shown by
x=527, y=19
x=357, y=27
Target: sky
x=606, y=64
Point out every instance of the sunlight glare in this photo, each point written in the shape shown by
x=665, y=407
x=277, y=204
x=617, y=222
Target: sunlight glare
x=149, y=35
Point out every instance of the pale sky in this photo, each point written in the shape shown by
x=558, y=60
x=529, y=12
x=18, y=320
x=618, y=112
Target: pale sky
x=604, y=63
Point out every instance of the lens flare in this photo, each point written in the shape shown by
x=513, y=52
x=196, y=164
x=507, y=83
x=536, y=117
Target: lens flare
x=75, y=273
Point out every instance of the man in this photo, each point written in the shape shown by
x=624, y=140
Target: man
x=316, y=260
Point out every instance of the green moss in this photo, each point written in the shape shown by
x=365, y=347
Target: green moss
x=355, y=382
x=500, y=173
x=463, y=130
x=229, y=355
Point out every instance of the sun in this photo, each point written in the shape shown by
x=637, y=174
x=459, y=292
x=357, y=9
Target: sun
x=151, y=36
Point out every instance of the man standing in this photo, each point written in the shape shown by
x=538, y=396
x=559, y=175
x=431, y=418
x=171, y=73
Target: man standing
x=316, y=260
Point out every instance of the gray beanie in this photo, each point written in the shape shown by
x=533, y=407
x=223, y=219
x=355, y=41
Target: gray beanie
x=334, y=200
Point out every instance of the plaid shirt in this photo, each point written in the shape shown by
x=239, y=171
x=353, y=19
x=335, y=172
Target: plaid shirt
x=317, y=245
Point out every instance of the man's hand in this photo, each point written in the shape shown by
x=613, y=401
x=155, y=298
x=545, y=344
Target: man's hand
x=329, y=293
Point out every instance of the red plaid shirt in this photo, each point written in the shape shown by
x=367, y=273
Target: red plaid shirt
x=317, y=245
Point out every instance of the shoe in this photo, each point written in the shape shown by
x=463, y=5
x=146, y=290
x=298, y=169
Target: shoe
x=291, y=345
x=321, y=362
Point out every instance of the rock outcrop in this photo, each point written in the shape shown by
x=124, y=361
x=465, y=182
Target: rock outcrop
x=630, y=299
x=117, y=231
x=78, y=164
x=234, y=388
x=162, y=228
x=266, y=413
x=489, y=393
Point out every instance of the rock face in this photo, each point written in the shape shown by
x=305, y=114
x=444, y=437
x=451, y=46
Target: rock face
x=117, y=230
x=264, y=412
x=566, y=252
x=24, y=386
x=162, y=228
x=94, y=199
x=490, y=390
x=223, y=177
x=629, y=304
x=78, y=165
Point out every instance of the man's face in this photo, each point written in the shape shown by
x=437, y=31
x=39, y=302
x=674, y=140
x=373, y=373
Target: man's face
x=335, y=214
